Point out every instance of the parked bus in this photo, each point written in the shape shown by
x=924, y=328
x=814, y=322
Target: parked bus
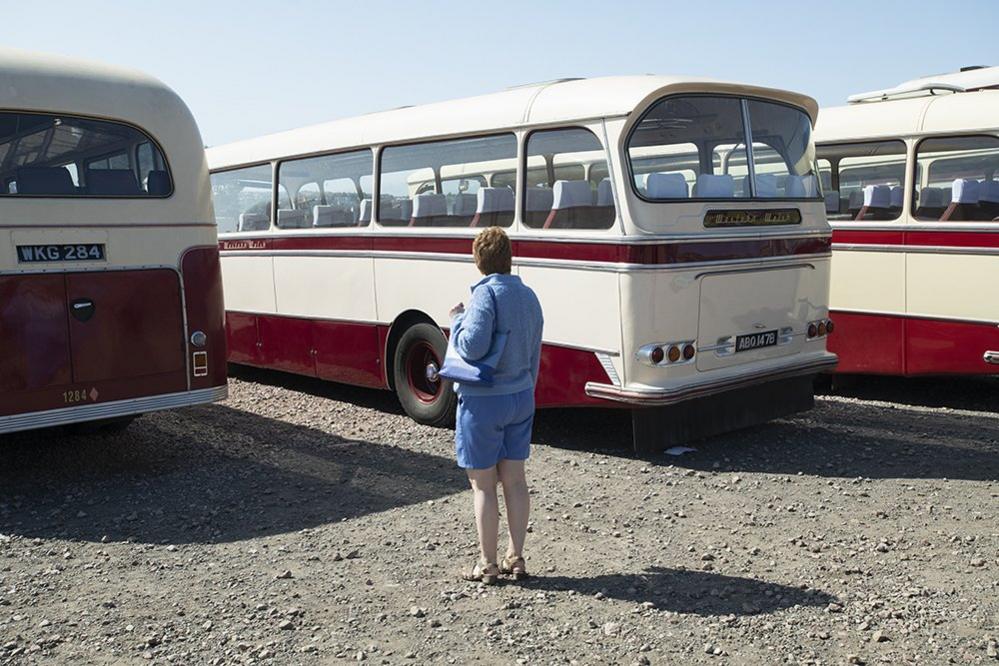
x=672, y=281
x=911, y=178
x=110, y=283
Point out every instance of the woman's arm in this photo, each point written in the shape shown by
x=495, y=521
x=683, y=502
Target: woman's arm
x=473, y=331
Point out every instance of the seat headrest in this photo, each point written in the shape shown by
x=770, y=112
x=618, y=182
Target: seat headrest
x=965, y=191
x=897, y=196
x=429, y=204
x=988, y=191
x=877, y=196
x=364, y=216
x=571, y=194
x=464, y=204
x=494, y=200
x=406, y=209
x=293, y=219
x=715, y=186
x=113, y=182
x=666, y=186
x=332, y=216
x=539, y=198
x=931, y=197
x=605, y=193
x=832, y=201
x=766, y=185
x=856, y=200
x=253, y=222
x=158, y=182
x=44, y=180
x=799, y=187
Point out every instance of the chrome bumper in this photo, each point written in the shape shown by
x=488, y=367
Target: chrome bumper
x=110, y=410
x=648, y=396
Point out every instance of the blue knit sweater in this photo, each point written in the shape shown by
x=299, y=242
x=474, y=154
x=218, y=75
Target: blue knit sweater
x=516, y=310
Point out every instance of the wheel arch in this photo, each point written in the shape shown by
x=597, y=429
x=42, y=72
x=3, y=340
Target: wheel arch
x=402, y=322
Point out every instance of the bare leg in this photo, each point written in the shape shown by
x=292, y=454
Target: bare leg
x=486, y=511
x=518, y=503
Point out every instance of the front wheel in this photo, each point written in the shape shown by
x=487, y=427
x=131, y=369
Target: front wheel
x=425, y=395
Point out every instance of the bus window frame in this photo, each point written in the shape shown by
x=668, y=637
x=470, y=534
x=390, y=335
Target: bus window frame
x=272, y=164
x=916, y=176
x=909, y=171
x=747, y=132
x=276, y=164
x=148, y=137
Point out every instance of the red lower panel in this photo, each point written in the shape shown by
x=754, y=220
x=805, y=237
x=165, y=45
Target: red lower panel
x=868, y=344
x=936, y=347
x=348, y=353
x=286, y=344
x=34, y=333
x=893, y=345
x=241, y=338
x=205, y=310
x=88, y=393
x=563, y=376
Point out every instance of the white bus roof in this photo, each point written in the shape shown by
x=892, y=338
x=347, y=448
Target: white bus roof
x=41, y=82
x=564, y=101
x=972, y=78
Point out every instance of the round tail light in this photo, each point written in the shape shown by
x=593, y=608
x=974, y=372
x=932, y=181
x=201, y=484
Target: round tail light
x=829, y=327
x=657, y=355
x=822, y=328
x=812, y=330
x=674, y=354
x=688, y=352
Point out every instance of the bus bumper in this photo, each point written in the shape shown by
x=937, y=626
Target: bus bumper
x=110, y=410
x=651, y=396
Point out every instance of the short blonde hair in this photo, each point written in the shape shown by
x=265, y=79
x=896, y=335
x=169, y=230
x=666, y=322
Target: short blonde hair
x=492, y=251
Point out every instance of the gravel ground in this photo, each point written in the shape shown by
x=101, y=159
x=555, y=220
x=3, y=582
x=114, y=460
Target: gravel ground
x=302, y=522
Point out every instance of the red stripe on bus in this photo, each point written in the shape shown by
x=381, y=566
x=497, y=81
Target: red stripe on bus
x=929, y=238
x=868, y=237
x=645, y=254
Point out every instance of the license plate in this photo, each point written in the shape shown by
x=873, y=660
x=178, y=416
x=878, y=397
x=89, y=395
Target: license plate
x=755, y=341
x=39, y=254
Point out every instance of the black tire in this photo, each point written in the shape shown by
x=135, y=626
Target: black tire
x=427, y=399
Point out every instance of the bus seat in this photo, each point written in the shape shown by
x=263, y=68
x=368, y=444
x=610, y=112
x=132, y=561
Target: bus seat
x=537, y=205
x=295, y=218
x=963, y=204
x=988, y=199
x=714, y=186
x=332, y=216
x=570, y=198
x=253, y=222
x=428, y=208
x=855, y=202
x=931, y=203
x=877, y=203
x=158, y=182
x=897, y=197
x=464, y=205
x=666, y=186
x=114, y=182
x=364, y=216
x=605, y=193
x=405, y=209
x=45, y=180
x=494, y=206
x=832, y=201
x=800, y=187
x=766, y=185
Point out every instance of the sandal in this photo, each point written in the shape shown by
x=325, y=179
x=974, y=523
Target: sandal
x=514, y=565
x=486, y=573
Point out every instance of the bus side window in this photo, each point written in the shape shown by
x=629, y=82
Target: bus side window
x=325, y=191
x=962, y=179
x=242, y=199
x=559, y=194
x=443, y=183
x=863, y=181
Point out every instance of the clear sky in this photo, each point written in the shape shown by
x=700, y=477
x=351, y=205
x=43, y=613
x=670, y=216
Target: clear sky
x=251, y=67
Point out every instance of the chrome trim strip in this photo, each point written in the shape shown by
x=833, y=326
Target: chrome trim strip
x=608, y=366
x=982, y=226
x=991, y=357
x=914, y=249
x=531, y=261
x=108, y=410
x=647, y=396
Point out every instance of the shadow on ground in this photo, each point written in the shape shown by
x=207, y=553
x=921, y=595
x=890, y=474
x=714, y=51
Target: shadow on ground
x=972, y=393
x=684, y=591
x=204, y=475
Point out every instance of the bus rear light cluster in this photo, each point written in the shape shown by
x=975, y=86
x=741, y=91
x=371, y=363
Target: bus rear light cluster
x=667, y=353
x=820, y=328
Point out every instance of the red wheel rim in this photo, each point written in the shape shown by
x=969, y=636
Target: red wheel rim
x=422, y=365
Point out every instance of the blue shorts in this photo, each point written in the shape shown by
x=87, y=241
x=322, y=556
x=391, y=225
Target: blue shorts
x=491, y=428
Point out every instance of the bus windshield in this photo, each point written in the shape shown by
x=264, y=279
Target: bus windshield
x=695, y=147
x=56, y=155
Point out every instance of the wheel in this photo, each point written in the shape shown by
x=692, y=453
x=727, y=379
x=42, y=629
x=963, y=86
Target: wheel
x=426, y=396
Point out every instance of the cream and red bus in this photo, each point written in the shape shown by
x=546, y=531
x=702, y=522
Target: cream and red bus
x=110, y=284
x=675, y=279
x=911, y=180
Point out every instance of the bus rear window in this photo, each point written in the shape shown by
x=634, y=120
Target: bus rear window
x=55, y=155
x=694, y=147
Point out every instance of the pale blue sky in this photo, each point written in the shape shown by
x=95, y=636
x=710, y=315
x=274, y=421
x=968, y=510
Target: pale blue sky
x=251, y=67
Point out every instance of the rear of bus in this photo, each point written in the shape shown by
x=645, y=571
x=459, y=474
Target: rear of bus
x=110, y=287
x=725, y=303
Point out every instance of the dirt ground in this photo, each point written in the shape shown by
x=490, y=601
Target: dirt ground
x=303, y=522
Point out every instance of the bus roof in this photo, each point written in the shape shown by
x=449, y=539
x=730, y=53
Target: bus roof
x=562, y=101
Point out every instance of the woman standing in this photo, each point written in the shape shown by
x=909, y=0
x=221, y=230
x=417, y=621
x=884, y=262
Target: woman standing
x=493, y=433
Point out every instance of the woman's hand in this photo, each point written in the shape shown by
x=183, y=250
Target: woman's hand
x=457, y=310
